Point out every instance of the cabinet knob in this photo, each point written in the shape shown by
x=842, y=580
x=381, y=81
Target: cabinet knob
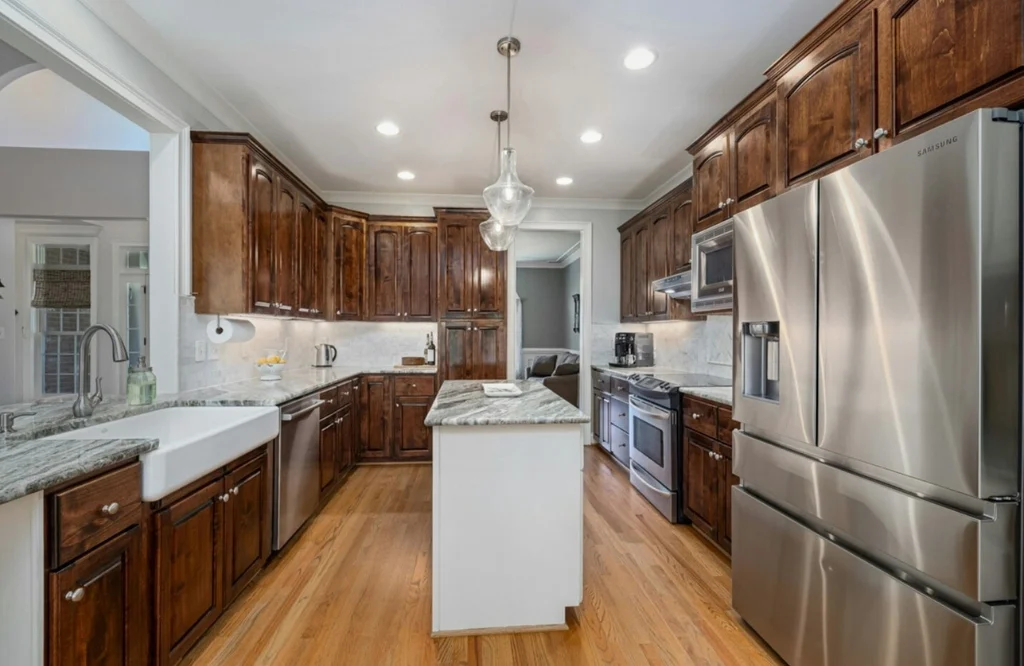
x=225, y=497
x=234, y=491
x=695, y=415
x=881, y=133
x=110, y=509
x=76, y=595
x=730, y=201
x=860, y=143
x=721, y=204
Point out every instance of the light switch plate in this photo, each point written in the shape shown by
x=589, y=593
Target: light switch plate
x=212, y=351
x=200, y=351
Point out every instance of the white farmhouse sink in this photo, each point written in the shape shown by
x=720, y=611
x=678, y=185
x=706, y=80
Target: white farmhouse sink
x=193, y=441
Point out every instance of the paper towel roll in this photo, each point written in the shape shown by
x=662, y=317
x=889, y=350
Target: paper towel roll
x=230, y=330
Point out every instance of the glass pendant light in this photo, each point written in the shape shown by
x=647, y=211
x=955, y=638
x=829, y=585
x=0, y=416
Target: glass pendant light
x=508, y=199
x=497, y=236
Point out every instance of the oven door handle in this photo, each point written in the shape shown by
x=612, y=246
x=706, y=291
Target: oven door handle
x=641, y=473
x=665, y=416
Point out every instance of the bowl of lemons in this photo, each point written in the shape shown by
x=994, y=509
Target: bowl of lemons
x=271, y=365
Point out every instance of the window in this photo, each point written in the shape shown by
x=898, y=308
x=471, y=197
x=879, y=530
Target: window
x=60, y=326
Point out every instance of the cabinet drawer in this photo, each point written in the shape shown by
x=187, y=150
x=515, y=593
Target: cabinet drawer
x=414, y=385
x=346, y=393
x=602, y=381
x=700, y=416
x=620, y=445
x=331, y=404
x=89, y=513
x=726, y=425
x=620, y=388
x=619, y=415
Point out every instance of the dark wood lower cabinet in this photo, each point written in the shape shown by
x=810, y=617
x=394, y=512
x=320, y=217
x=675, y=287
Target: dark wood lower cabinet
x=707, y=484
x=247, y=519
x=412, y=438
x=328, y=452
x=375, y=406
x=473, y=349
x=345, y=444
x=97, y=608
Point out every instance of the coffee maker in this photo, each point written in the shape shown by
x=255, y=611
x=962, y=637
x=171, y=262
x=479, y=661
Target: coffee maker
x=634, y=350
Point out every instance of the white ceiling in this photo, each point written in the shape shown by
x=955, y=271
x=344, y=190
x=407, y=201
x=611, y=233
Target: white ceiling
x=544, y=245
x=316, y=76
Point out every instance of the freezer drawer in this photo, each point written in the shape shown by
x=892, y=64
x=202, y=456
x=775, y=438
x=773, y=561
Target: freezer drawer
x=818, y=604
x=972, y=555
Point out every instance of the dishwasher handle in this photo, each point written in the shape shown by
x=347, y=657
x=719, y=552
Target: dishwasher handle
x=291, y=416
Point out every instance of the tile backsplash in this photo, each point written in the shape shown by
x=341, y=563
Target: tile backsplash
x=696, y=346
x=367, y=344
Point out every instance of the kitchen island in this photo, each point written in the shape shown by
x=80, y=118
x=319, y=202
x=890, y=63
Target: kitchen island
x=507, y=509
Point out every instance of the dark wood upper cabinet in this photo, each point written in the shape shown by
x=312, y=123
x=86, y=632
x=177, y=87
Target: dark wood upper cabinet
x=472, y=283
x=97, y=608
x=711, y=182
x=939, y=60
x=627, y=292
x=261, y=206
x=420, y=273
x=660, y=258
x=286, y=249
x=384, y=280
x=681, y=210
x=752, y=155
x=375, y=406
x=247, y=517
x=349, y=264
x=826, y=103
x=189, y=580
x=641, y=270
x=322, y=272
x=309, y=266
x=472, y=349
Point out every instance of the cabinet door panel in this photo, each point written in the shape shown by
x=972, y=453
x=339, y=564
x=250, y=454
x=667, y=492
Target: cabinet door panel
x=627, y=292
x=681, y=209
x=420, y=274
x=107, y=626
x=246, y=525
x=455, y=349
x=412, y=438
x=700, y=479
x=189, y=581
x=458, y=244
x=753, y=151
x=933, y=56
x=307, y=255
x=349, y=265
x=489, y=278
x=726, y=480
x=711, y=182
x=827, y=103
x=489, y=345
x=641, y=271
x=328, y=452
x=322, y=268
x=376, y=418
x=286, y=248
x=346, y=439
x=262, y=221
x=660, y=259
x=384, y=286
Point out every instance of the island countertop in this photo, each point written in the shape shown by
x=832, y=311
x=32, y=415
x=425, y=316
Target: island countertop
x=463, y=403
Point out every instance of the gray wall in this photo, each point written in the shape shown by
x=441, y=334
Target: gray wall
x=542, y=291
x=570, y=285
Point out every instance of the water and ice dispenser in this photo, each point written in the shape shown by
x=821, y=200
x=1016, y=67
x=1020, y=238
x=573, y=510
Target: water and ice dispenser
x=761, y=360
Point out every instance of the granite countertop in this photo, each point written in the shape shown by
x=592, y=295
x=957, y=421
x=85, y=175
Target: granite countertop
x=27, y=467
x=720, y=394
x=463, y=403
x=29, y=463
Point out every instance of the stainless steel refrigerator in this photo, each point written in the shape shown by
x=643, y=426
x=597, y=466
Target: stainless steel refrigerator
x=878, y=383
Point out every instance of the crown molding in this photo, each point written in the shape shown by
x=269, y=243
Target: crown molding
x=566, y=260
x=347, y=198
x=669, y=185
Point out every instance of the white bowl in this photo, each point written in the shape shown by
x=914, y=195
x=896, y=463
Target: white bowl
x=270, y=372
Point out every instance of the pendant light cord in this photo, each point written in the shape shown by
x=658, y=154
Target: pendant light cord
x=508, y=77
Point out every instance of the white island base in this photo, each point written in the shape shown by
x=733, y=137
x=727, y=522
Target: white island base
x=508, y=527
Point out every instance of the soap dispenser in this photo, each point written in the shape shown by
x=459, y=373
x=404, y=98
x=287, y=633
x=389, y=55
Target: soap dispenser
x=141, y=384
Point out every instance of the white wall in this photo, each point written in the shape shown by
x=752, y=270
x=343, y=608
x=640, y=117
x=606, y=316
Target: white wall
x=83, y=184
x=10, y=390
x=42, y=110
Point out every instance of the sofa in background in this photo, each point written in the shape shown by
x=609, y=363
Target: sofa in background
x=560, y=374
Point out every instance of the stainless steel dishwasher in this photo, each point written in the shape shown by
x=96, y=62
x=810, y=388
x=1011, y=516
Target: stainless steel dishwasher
x=297, y=481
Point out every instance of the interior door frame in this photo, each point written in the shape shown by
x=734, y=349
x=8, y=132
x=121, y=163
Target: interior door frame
x=586, y=231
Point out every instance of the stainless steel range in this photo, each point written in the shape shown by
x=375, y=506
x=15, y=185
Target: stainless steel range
x=655, y=437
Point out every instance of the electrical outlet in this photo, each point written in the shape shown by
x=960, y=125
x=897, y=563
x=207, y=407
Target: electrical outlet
x=200, y=351
x=212, y=351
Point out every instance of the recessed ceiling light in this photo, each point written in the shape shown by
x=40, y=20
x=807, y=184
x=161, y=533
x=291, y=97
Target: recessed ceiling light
x=387, y=128
x=406, y=175
x=639, y=58
x=564, y=180
x=591, y=136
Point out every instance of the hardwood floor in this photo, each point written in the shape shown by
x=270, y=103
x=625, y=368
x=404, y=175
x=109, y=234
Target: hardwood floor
x=355, y=589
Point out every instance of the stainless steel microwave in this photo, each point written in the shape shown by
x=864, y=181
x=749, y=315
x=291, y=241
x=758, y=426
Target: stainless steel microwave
x=712, y=269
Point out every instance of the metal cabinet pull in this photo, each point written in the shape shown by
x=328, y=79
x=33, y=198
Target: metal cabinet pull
x=881, y=133
x=860, y=143
x=110, y=509
x=76, y=595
